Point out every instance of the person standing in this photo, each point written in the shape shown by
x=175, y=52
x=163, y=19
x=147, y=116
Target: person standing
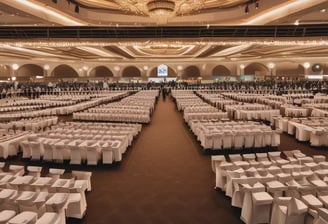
x=164, y=93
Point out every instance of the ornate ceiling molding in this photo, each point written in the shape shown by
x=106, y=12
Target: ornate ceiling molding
x=161, y=10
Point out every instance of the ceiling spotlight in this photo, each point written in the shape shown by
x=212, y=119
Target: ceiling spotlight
x=247, y=9
x=77, y=9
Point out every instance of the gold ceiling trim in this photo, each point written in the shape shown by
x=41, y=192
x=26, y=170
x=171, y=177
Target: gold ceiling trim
x=181, y=7
x=169, y=43
x=161, y=10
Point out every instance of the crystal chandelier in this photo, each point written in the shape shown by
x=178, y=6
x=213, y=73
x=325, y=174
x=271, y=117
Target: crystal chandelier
x=161, y=10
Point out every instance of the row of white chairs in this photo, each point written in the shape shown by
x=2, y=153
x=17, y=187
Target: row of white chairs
x=200, y=109
x=259, y=107
x=266, y=186
x=77, y=151
x=272, y=100
x=313, y=129
x=9, y=143
x=195, y=108
x=28, y=197
x=67, y=97
x=120, y=112
x=81, y=142
x=232, y=135
x=317, y=99
x=96, y=127
x=214, y=99
x=120, y=117
x=64, y=110
x=146, y=98
x=33, y=124
x=34, y=104
x=316, y=112
x=289, y=110
x=215, y=115
x=186, y=99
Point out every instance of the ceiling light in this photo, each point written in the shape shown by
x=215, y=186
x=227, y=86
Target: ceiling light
x=297, y=22
x=323, y=10
x=242, y=66
x=13, y=78
x=161, y=10
x=161, y=6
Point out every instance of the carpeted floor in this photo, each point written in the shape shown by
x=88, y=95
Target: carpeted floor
x=163, y=178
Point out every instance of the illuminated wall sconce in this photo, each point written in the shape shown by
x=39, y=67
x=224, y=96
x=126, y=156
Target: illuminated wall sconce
x=145, y=67
x=117, y=68
x=271, y=65
x=15, y=67
x=242, y=66
x=46, y=67
x=306, y=65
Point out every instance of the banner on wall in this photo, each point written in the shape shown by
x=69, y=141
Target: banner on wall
x=162, y=70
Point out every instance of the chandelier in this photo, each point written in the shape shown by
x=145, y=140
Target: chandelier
x=161, y=10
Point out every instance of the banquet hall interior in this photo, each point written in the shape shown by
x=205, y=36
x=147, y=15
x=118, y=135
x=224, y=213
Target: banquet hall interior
x=164, y=111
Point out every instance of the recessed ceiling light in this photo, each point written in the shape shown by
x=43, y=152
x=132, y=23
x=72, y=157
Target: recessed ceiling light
x=323, y=10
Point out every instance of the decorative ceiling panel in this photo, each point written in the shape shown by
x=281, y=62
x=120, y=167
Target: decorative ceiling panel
x=191, y=34
x=141, y=7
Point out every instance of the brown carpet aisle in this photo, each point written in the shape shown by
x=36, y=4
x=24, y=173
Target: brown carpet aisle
x=163, y=178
